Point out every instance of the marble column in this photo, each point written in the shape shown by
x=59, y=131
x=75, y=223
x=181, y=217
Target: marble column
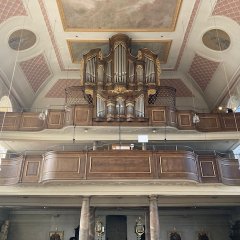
x=92, y=224
x=84, y=219
x=154, y=220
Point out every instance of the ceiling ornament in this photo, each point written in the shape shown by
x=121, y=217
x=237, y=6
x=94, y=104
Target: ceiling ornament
x=228, y=9
x=202, y=70
x=36, y=71
x=22, y=39
x=216, y=39
x=10, y=9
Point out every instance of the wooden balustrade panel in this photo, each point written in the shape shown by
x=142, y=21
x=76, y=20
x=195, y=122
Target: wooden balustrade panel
x=83, y=115
x=30, y=122
x=208, y=168
x=177, y=165
x=157, y=116
x=184, y=120
x=31, y=169
x=230, y=121
x=209, y=122
x=120, y=164
x=229, y=170
x=10, y=121
x=63, y=166
x=55, y=119
x=10, y=171
x=161, y=116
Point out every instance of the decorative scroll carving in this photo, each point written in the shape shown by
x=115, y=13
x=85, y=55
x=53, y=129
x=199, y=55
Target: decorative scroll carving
x=4, y=230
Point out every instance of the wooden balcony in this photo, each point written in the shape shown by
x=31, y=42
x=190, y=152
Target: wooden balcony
x=82, y=115
x=119, y=165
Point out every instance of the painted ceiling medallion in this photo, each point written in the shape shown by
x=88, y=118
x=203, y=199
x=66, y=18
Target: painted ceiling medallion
x=216, y=39
x=125, y=15
x=22, y=39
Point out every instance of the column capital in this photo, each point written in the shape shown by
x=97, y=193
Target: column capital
x=153, y=197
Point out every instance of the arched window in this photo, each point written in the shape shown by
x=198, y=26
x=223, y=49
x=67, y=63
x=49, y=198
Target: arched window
x=238, y=109
x=5, y=104
x=234, y=103
x=3, y=152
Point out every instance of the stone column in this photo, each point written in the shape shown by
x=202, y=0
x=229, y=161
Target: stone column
x=92, y=224
x=154, y=220
x=84, y=219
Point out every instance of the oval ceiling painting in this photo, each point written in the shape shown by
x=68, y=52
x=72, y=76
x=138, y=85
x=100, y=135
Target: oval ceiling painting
x=22, y=39
x=216, y=39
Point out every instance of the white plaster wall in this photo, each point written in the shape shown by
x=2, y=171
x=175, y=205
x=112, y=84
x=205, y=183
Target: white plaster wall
x=36, y=225
x=188, y=226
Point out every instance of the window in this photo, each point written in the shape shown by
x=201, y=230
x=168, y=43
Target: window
x=3, y=152
x=5, y=104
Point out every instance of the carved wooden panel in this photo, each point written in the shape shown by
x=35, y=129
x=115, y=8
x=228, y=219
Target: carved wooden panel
x=10, y=171
x=231, y=121
x=172, y=120
x=157, y=116
x=83, y=115
x=31, y=169
x=229, y=170
x=209, y=122
x=208, y=168
x=178, y=165
x=55, y=119
x=185, y=120
x=10, y=121
x=31, y=122
x=63, y=166
x=120, y=164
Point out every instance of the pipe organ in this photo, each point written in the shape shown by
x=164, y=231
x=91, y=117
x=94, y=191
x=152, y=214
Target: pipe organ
x=120, y=85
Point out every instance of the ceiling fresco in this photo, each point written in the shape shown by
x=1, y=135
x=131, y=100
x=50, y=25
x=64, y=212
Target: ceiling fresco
x=22, y=39
x=125, y=15
x=216, y=39
x=78, y=48
x=197, y=42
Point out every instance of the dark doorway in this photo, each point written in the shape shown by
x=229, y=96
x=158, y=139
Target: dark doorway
x=116, y=227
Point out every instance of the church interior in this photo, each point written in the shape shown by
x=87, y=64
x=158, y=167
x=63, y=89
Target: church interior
x=120, y=119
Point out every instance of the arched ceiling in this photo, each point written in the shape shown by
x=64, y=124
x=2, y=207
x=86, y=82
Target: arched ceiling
x=43, y=41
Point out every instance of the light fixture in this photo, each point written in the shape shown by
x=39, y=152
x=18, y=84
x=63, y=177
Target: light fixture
x=139, y=228
x=85, y=130
x=42, y=116
x=99, y=229
x=154, y=130
x=226, y=109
